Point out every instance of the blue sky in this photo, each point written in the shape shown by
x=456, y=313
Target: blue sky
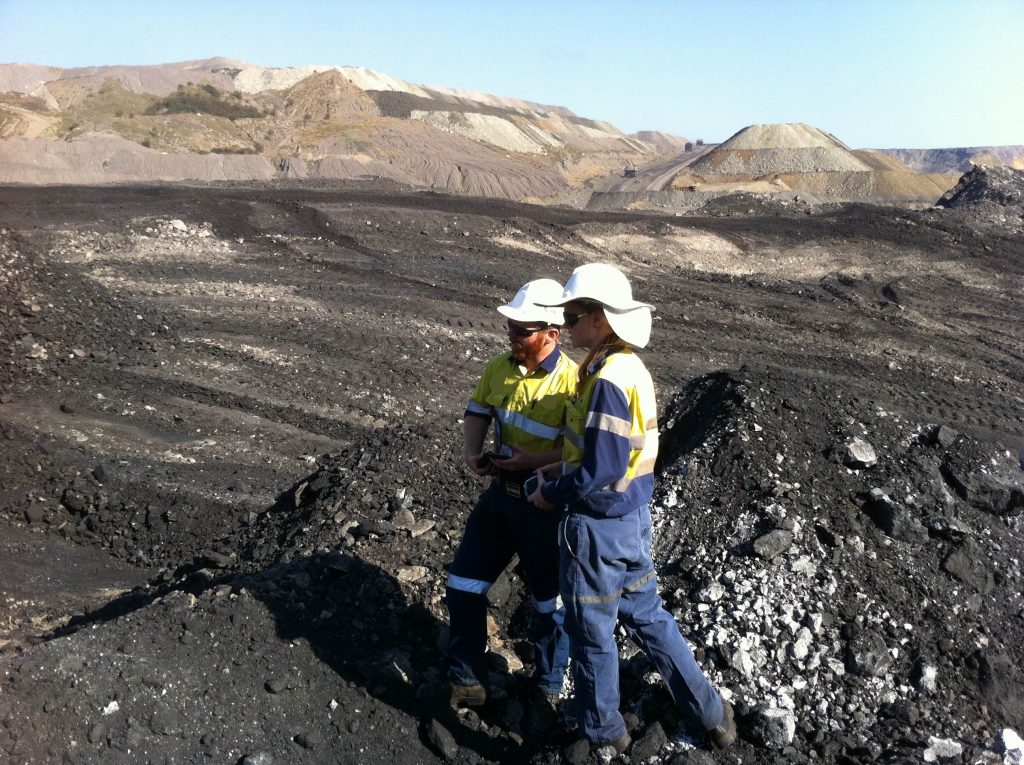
x=892, y=74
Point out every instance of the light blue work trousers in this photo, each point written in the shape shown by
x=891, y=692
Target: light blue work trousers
x=607, y=575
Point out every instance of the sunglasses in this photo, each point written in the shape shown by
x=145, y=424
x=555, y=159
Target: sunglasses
x=572, y=319
x=519, y=331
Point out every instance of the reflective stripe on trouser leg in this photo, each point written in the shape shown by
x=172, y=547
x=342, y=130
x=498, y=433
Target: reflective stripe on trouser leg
x=551, y=645
x=590, y=583
x=483, y=553
x=537, y=545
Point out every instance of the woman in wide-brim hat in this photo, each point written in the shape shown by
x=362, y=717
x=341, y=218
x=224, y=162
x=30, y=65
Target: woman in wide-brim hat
x=605, y=488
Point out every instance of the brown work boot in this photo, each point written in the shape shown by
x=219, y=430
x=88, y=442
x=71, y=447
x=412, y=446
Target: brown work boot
x=723, y=735
x=467, y=695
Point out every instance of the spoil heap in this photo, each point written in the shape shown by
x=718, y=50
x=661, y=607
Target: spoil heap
x=988, y=190
x=765, y=150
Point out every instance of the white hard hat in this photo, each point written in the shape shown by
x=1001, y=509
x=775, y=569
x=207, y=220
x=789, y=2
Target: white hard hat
x=535, y=301
x=629, y=319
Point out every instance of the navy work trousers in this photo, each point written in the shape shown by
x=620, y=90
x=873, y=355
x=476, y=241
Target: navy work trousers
x=500, y=527
x=607, y=575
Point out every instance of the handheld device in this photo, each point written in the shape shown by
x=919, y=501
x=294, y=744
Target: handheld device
x=529, y=486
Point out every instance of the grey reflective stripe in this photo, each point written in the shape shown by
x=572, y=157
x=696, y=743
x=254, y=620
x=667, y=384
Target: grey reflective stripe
x=631, y=587
x=521, y=421
x=477, y=586
x=548, y=606
x=637, y=442
x=573, y=438
x=609, y=423
x=476, y=408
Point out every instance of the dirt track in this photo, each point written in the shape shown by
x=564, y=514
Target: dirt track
x=178, y=360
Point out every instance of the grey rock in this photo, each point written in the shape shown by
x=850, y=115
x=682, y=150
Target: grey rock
x=96, y=733
x=893, y=519
x=773, y=544
x=968, y=565
x=859, y=454
x=867, y=655
x=501, y=590
x=166, y=722
x=75, y=501
x=711, y=592
x=649, y=744
x=310, y=739
x=577, y=752
x=212, y=559
x=35, y=513
x=692, y=757
x=945, y=436
x=441, y=740
x=280, y=683
x=260, y=758
x=771, y=728
x=942, y=749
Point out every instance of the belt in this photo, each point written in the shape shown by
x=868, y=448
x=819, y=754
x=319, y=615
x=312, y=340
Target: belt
x=511, y=486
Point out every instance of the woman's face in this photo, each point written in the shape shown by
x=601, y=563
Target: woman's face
x=582, y=321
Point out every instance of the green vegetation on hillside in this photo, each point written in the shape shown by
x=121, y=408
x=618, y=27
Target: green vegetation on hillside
x=204, y=99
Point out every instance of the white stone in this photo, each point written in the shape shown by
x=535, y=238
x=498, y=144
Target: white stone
x=941, y=749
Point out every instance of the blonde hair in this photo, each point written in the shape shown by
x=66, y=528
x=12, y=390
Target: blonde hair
x=612, y=343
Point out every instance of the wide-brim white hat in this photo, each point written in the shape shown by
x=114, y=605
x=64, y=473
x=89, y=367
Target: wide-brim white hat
x=535, y=302
x=605, y=284
x=633, y=325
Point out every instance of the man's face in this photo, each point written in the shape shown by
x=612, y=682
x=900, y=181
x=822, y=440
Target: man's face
x=528, y=347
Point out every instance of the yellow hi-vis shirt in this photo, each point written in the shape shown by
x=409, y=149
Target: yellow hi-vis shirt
x=528, y=409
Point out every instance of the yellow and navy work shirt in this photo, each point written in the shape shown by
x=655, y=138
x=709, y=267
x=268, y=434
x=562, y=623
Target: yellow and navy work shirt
x=527, y=409
x=611, y=440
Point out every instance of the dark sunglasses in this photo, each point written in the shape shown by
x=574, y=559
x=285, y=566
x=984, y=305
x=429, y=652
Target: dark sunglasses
x=572, y=319
x=518, y=331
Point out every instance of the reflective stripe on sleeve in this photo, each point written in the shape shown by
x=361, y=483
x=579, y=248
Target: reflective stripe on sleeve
x=476, y=408
x=476, y=586
x=609, y=423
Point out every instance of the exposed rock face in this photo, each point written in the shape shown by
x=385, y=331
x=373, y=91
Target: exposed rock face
x=957, y=160
x=329, y=122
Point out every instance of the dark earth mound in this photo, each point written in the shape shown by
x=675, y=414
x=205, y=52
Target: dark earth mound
x=231, y=475
x=995, y=194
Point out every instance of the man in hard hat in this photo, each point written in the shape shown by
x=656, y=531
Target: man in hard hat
x=522, y=392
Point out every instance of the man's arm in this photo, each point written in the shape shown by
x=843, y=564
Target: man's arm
x=474, y=432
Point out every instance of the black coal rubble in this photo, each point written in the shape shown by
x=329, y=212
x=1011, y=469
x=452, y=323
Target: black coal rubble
x=842, y=628
x=839, y=582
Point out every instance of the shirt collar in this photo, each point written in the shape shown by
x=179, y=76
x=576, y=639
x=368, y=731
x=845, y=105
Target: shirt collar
x=547, y=365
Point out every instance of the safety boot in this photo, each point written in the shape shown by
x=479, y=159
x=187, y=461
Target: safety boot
x=723, y=735
x=467, y=695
